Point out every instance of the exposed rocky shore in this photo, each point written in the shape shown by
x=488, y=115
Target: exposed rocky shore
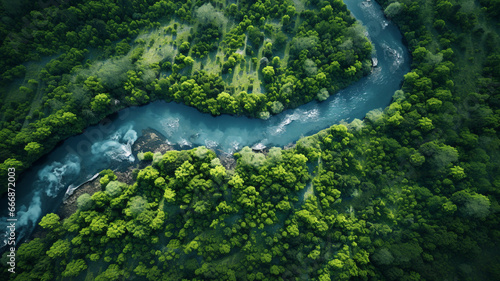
x=151, y=140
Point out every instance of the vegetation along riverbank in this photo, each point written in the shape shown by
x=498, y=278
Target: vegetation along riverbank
x=409, y=193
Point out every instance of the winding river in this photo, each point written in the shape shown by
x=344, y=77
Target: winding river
x=108, y=145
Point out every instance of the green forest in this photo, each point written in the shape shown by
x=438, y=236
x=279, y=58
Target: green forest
x=411, y=192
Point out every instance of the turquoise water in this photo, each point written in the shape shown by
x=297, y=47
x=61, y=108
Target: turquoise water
x=108, y=145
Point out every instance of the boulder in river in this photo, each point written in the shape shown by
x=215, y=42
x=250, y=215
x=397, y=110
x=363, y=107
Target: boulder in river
x=258, y=147
x=151, y=140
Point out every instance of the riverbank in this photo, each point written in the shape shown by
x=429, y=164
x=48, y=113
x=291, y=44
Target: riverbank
x=151, y=140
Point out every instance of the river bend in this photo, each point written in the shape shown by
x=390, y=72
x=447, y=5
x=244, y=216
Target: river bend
x=108, y=145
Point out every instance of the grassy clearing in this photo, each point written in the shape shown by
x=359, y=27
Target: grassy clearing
x=11, y=93
x=161, y=44
x=299, y=5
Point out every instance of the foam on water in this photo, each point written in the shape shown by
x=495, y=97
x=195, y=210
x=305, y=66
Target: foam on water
x=184, y=143
x=28, y=216
x=53, y=177
x=117, y=147
x=235, y=146
x=169, y=126
x=211, y=144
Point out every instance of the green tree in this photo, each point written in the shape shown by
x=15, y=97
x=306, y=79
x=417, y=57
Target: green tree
x=136, y=206
x=268, y=73
x=113, y=272
x=100, y=103
x=275, y=270
x=393, y=9
x=383, y=257
x=116, y=229
x=322, y=94
x=218, y=173
x=477, y=206
x=59, y=249
x=34, y=149
x=85, y=202
x=51, y=221
x=169, y=195
x=457, y=172
x=417, y=159
x=114, y=188
x=100, y=198
x=74, y=267
x=277, y=107
x=426, y=124
x=266, y=257
x=29, y=253
x=206, y=14
x=93, y=84
x=434, y=104
x=99, y=224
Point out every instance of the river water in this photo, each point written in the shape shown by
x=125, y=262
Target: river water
x=108, y=145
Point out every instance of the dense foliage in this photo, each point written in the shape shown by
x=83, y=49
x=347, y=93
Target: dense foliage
x=410, y=193
x=254, y=59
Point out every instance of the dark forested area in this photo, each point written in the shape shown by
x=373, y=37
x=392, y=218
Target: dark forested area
x=409, y=193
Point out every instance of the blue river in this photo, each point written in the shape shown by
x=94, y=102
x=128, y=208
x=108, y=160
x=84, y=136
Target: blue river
x=41, y=189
